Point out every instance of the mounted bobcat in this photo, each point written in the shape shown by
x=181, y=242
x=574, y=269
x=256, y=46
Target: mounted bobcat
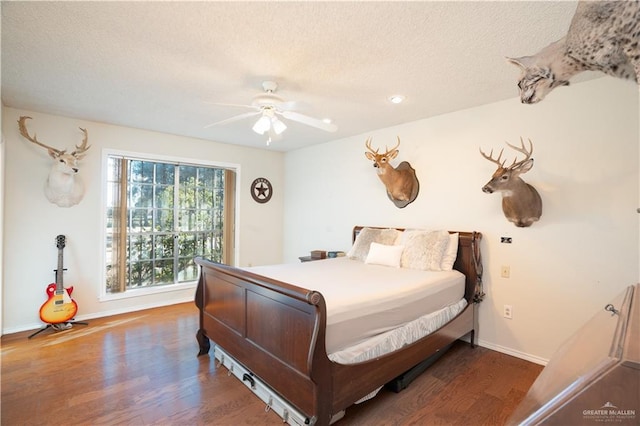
x=603, y=36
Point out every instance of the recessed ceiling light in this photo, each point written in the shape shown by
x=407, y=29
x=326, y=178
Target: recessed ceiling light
x=396, y=99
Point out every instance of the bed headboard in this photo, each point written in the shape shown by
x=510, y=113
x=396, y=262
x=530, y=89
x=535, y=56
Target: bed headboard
x=468, y=261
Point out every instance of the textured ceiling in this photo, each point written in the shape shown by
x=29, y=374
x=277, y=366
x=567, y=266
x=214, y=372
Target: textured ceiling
x=162, y=65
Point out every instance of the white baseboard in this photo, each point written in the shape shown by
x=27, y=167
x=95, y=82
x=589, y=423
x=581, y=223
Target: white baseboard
x=513, y=352
x=102, y=314
x=136, y=308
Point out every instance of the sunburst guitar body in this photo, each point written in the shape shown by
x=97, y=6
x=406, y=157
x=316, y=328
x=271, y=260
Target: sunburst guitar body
x=59, y=307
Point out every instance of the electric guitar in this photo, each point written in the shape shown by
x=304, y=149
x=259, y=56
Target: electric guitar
x=60, y=307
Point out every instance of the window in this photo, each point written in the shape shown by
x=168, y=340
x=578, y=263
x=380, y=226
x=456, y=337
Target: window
x=160, y=215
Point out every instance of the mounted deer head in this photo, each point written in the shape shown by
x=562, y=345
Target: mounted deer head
x=401, y=182
x=62, y=187
x=521, y=203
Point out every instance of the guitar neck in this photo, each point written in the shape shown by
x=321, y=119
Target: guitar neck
x=59, y=285
x=60, y=243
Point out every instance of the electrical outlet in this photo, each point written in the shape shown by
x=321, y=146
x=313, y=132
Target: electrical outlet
x=508, y=312
x=505, y=271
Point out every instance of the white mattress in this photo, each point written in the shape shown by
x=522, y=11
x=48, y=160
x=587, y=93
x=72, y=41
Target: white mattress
x=365, y=300
x=398, y=337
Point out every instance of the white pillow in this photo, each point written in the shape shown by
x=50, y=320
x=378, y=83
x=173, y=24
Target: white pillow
x=381, y=254
x=424, y=249
x=360, y=247
x=451, y=253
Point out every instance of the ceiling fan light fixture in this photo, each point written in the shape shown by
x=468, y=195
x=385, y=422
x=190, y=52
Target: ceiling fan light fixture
x=278, y=126
x=266, y=105
x=262, y=125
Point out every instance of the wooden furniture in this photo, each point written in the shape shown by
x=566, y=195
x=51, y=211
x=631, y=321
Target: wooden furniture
x=594, y=377
x=315, y=255
x=277, y=331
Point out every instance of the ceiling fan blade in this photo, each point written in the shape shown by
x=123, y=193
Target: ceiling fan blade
x=309, y=121
x=232, y=119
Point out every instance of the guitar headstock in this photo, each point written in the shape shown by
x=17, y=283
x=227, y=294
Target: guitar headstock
x=61, y=241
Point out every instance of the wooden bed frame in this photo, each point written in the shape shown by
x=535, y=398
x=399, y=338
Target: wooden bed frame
x=277, y=331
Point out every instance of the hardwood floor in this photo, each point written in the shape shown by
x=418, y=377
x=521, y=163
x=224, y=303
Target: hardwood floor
x=142, y=369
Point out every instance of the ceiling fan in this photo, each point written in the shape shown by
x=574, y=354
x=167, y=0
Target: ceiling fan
x=270, y=108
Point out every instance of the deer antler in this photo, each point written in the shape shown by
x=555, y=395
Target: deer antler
x=25, y=133
x=490, y=157
x=82, y=148
x=397, y=145
x=523, y=150
x=368, y=145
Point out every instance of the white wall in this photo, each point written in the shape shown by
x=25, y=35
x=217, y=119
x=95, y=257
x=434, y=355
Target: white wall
x=1, y=221
x=564, y=268
x=31, y=223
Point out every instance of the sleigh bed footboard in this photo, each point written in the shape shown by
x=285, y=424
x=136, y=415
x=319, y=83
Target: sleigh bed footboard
x=273, y=328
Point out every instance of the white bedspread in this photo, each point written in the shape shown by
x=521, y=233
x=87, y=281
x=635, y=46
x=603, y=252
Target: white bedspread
x=365, y=300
